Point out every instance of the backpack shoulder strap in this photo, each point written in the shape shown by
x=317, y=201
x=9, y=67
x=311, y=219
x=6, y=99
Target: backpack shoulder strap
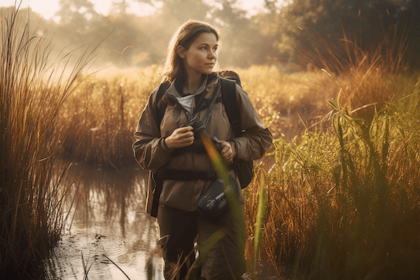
x=163, y=87
x=231, y=105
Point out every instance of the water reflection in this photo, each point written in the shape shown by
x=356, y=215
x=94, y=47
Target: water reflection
x=107, y=222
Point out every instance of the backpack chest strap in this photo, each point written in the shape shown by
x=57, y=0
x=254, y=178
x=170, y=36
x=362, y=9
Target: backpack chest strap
x=197, y=149
x=187, y=175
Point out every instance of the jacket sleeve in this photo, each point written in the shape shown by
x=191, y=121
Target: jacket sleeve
x=149, y=147
x=256, y=138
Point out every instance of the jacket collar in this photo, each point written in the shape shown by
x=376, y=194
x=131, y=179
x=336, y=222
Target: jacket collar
x=209, y=82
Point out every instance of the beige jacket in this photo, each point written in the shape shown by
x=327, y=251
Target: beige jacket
x=151, y=152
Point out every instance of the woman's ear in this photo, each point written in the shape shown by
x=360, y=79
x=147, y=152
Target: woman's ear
x=180, y=51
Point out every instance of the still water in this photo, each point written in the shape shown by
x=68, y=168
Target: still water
x=107, y=234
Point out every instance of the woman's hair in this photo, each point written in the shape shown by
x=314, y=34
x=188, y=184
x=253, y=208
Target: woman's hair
x=184, y=36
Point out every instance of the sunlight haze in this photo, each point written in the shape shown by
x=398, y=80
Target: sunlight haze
x=48, y=8
x=323, y=96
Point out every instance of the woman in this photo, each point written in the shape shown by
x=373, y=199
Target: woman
x=192, y=56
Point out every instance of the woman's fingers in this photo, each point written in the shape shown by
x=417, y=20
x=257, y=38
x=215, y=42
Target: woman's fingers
x=180, y=137
x=226, y=152
x=184, y=129
x=184, y=136
x=226, y=147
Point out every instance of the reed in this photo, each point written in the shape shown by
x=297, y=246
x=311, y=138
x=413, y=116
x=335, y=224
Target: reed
x=342, y=199
x=32, y=91
x=345, y=205
x=102, y=115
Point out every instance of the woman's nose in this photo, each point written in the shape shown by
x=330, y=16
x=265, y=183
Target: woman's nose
x=212, y=54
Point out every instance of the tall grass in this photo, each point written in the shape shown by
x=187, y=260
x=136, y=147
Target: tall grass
x=345, y=205
x=102, y=113
x=32, y=91
x=342, y=197
x=342, y=194
x=343, y=201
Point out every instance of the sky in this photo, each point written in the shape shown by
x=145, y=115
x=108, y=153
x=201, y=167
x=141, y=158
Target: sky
x=48, y=8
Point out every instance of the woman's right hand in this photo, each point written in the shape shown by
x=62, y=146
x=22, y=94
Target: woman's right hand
x=181, y=137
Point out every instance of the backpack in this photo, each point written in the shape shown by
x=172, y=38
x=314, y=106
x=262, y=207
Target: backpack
x=243, y=169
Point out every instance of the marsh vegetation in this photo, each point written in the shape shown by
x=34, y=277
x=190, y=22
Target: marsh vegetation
x=341, y=182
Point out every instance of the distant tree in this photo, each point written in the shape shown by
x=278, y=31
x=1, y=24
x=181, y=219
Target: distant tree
x=182, y=10
x=156, y=30
x=119, y=6
x=243, y=41
x=408, y=16
x=34, y=22
x=76, y=14
x=124, y=38
x=304, y=22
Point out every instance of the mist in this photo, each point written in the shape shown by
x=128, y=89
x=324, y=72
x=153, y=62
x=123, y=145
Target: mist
x=274, y=36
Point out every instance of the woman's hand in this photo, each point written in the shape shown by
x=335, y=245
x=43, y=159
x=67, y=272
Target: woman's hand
x=181, y=137
x=227, y=152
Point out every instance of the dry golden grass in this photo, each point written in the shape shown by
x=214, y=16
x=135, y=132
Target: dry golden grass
x=345, y=204
x=31, y=95
x=311, y=189
x=343, y=199
x=103, y=112
x=342, y=194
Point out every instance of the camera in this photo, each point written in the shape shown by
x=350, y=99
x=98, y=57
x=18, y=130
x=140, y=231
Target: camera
x=199, y=127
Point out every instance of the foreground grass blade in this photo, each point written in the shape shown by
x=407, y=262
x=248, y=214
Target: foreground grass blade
x=260, y=220
x=216, y=159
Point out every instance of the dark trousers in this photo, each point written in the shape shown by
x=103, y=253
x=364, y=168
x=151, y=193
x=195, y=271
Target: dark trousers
x=221, y=245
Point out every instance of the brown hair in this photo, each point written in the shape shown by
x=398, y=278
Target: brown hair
x=184, y=36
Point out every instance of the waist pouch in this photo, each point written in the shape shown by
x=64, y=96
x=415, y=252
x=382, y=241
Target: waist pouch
x=213, y=203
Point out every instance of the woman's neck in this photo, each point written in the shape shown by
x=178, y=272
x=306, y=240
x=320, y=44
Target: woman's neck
x=192, y=83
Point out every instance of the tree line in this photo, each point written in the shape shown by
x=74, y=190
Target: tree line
x=285, y=33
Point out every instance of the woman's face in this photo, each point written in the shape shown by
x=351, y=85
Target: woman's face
x=201, y=56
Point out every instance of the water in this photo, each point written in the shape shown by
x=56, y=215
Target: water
x=107, y=232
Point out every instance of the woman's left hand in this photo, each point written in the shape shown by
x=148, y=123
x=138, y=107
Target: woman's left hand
x=227, y=152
